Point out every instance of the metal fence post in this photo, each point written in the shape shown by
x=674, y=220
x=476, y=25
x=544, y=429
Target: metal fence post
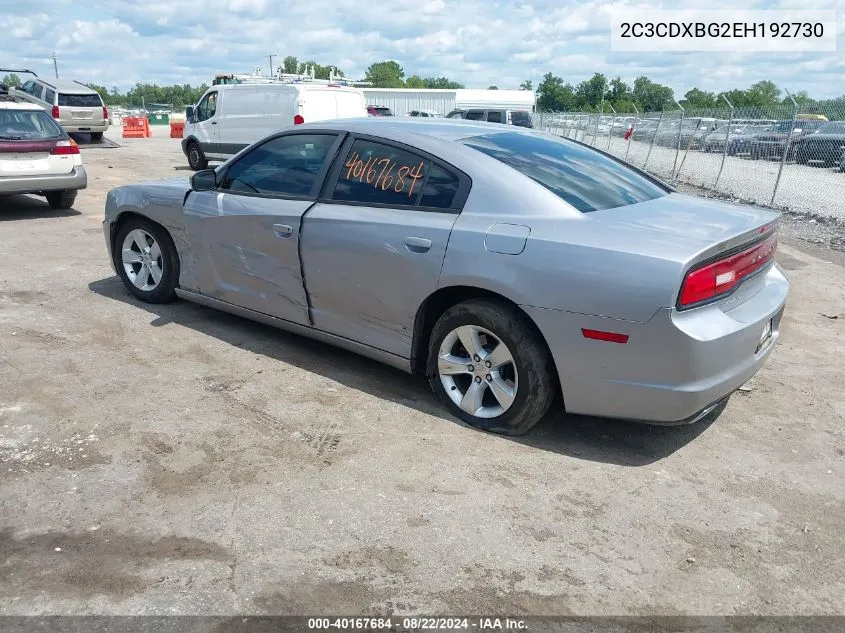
x=686, y=152
x=633, y=127
x=659, y=121
x=571, y=123
x=678, y=146
x=785, y=146
x=610, y=131
x=727, y=140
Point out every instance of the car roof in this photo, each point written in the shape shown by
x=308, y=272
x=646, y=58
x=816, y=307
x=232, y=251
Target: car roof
x=18, y=105
x=409, y=130
x=67, y=86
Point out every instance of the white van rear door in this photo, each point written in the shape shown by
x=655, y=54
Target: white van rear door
x=324, y=104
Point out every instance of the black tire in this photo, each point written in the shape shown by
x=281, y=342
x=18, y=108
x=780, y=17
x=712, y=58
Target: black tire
x=96, y=137
x=60, y=199
x=168, y=261
x=196, y=159
x=536, y=384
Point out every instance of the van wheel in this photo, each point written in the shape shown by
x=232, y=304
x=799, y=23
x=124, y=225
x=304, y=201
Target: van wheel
x=196, y=159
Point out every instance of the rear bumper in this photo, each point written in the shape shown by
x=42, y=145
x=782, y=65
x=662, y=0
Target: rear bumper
x=76, y=179
x=80, y=127
x=674, y=367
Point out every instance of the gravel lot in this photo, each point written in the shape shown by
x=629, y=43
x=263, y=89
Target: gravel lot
x=174, y=459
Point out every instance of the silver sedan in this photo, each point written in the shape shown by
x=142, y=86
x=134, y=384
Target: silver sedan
x=507, y=266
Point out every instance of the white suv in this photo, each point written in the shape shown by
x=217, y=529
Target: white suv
x=36, y=155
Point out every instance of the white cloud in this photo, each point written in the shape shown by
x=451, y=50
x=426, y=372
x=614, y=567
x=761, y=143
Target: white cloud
x=476, y=42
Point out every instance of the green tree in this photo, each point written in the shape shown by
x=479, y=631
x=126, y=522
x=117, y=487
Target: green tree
x=696, y=98
x=555, y=96
x=526, y=85
x=387, y=74
x=652, y=96
x=415, y=81
x=290, y=65
x=492, y=87
x=441, y=83
x=619, y=91
x=593, y=91
x=11, y=80
x=763, y=93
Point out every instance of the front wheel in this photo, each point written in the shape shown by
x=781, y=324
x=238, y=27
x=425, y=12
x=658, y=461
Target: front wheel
x=146, y=260
x=490, y=368
x=196, y=159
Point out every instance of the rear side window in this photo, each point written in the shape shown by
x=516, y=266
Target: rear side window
x=380, y=174
x=27, y=125
x=50, y=96
x=285, y=166
x=582, y=176
x=521, y=118
x=475, y=115
x=495, y=116
x=80, y=101
x=439, y=189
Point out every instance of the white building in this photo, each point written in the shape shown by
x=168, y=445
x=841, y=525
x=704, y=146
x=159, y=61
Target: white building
x=403, y=100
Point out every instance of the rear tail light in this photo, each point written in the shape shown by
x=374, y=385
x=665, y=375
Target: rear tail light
x=65, y=148
x=56, y=112
x=105, y=113
x=298, y=119
x=718, y=278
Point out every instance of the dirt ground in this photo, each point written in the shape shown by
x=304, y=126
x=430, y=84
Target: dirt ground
x=174, y=459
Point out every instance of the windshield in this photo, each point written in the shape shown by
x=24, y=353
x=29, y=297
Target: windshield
x=27, y=125
x=585, y=178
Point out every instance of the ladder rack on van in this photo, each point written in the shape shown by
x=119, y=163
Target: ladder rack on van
x=285, y=78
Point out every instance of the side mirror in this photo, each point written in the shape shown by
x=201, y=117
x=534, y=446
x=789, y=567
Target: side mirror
x=189, y=114
x=205, y=180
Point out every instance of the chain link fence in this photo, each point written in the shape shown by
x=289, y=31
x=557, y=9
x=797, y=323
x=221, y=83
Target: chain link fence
x=787, y=157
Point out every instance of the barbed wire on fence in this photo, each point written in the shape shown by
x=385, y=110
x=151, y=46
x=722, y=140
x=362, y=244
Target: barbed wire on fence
x=784, y=156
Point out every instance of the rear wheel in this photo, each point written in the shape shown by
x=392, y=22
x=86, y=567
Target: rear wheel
x=96, y=136
x=61, y=199
x=146, y=260
x=490, y=368
x=196, y=159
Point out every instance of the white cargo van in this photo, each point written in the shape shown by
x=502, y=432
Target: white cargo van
x=228, y=118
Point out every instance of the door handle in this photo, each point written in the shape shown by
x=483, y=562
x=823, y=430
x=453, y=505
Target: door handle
x=417, y=244
x=282, y=230
x=214, y=123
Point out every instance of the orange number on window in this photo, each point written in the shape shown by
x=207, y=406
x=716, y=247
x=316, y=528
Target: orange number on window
x=400, y=179
x=350, y=164
x=388, y=178
x=415, y=174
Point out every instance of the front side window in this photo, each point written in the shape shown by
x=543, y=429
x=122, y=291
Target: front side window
x=475, y=115
x=207, y=107
x=580, y=175
x=285, y=166
x=80, y=101
x=28, y=87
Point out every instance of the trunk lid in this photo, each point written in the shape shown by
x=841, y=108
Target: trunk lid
x=32, y=158
x=684, y=228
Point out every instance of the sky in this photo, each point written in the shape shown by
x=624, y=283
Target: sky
x=476, y=42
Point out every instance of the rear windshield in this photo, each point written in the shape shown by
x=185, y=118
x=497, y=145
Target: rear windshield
x=80, y=101
x=27, y=125
x=383, y=111
x=583, y=177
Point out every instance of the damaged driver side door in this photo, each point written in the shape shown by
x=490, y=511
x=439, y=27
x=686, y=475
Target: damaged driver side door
x=245, y=235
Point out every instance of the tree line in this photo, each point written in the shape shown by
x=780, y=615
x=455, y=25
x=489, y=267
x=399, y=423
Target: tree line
x=553, y=93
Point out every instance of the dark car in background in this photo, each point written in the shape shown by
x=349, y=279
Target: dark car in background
x=737, y=137
x=783, y=136
x=644, y=130
x=823, y=146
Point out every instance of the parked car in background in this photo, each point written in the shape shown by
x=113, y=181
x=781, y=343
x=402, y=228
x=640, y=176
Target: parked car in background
x=644, y=130
x=782, y=136
x=505, y=266
x=737, y=137
x=377, y=110
x=620, y=125
x=424, y=113
x=229, y=117
x=36, y=155
x=75, y=107
x=822, y=146
x=520, y=118
x=842, y=161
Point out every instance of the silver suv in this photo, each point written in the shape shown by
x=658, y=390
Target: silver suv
x=522, y=118
x=74, y=106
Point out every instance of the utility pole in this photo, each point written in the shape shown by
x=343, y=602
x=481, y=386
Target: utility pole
x=55, y=65
x=271, y=63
